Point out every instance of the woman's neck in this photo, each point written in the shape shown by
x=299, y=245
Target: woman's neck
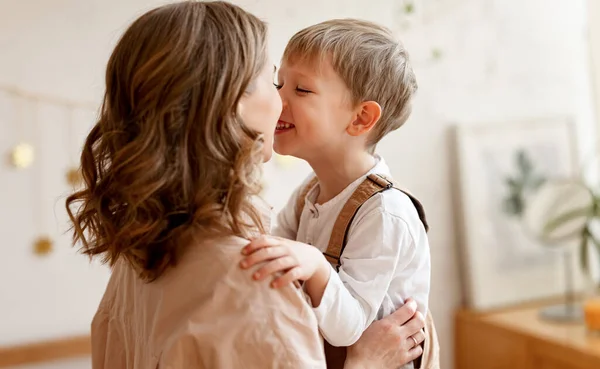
x=336, y=174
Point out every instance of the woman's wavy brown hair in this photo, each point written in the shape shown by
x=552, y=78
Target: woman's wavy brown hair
x=169, y=156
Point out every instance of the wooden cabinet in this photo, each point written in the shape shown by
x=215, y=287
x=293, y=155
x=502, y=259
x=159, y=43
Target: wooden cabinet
x=518, y=339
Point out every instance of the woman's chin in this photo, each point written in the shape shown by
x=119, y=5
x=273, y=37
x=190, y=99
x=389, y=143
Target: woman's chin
x=267, y=155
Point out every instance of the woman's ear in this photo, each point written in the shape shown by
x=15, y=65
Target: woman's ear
x=368, y=115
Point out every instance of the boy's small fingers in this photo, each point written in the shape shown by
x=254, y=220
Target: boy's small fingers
x=264, y=254
x=278, y=265
x=259, y=243
x=290, y=276
x=254, y=244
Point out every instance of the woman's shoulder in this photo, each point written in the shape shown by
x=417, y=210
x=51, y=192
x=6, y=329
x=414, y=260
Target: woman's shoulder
x=221, y=251
x=257, y=325
x=213, y=269
x=212, y=263
x=216, y=253
x=217, y=263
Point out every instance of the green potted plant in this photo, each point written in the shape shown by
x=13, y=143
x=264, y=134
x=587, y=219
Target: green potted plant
x=563, y=211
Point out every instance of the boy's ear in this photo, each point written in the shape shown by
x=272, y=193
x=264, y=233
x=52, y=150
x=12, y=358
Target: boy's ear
x=368, y=114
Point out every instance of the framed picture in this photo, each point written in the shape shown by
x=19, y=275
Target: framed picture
x=500, y=166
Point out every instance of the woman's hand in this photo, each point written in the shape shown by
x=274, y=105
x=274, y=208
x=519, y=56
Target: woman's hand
x=390, y=342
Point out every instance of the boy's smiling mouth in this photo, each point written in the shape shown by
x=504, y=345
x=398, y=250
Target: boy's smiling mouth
x=283, y=126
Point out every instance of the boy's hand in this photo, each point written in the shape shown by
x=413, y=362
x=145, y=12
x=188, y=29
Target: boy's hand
x=296, y=260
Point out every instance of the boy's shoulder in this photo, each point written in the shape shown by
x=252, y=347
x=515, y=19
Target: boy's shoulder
x=394, y=203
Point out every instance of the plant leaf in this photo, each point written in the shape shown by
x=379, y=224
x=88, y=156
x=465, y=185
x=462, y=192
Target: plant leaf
x=511, y=206
x=536, y=182
x=596, y=243
x=552, y=224
x=596, y=206
x=513, y=184
x=583, y=252
x=524, y=163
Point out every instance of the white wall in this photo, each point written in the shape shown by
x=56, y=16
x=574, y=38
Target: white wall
x=502, y=60
x=594, y=40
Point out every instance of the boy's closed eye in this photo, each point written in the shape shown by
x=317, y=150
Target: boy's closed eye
x=298, y=89
x=303, y=90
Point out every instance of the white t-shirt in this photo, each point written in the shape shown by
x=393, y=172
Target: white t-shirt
x=386, y=259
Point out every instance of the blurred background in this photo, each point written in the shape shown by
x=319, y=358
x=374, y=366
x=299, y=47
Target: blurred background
x=508, y=97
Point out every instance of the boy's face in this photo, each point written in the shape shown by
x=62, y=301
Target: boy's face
x=317, y=109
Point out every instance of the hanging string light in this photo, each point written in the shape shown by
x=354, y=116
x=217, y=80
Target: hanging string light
x=43, y=244
x=73, y=175
x=22, y=155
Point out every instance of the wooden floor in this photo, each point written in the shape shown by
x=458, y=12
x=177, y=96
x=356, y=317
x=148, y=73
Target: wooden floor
x=77, y=363
x=65, y=351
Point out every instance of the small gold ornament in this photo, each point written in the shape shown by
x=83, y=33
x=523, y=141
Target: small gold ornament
x=22, y=155
x=43, y=246
x=74, y=177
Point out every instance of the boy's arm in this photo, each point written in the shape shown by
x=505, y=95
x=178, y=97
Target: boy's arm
x=379, y=245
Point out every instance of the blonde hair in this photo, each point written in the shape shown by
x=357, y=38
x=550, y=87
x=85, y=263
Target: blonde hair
x=169, y=157
x=373, y=64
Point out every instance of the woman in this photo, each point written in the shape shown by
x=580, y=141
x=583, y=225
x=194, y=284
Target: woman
x=172, y=175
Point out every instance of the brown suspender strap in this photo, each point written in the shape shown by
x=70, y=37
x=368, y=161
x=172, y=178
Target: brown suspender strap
x=337, y=241
x=301, y=200
x=390, y=183
x=371, y=186
x=416, y=203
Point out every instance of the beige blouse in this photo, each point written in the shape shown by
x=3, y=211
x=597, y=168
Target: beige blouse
x=204, y=313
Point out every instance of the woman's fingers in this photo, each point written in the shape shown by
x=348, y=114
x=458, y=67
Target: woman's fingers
x=404, y=314
x=419, y=336
x=415, y=352
x=414, y=340
x=278, y=265
x=414, y=325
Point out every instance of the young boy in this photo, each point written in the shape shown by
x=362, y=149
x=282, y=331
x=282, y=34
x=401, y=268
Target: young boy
x=345, y=84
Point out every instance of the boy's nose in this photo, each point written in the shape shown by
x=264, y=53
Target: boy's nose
x=284, y=103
